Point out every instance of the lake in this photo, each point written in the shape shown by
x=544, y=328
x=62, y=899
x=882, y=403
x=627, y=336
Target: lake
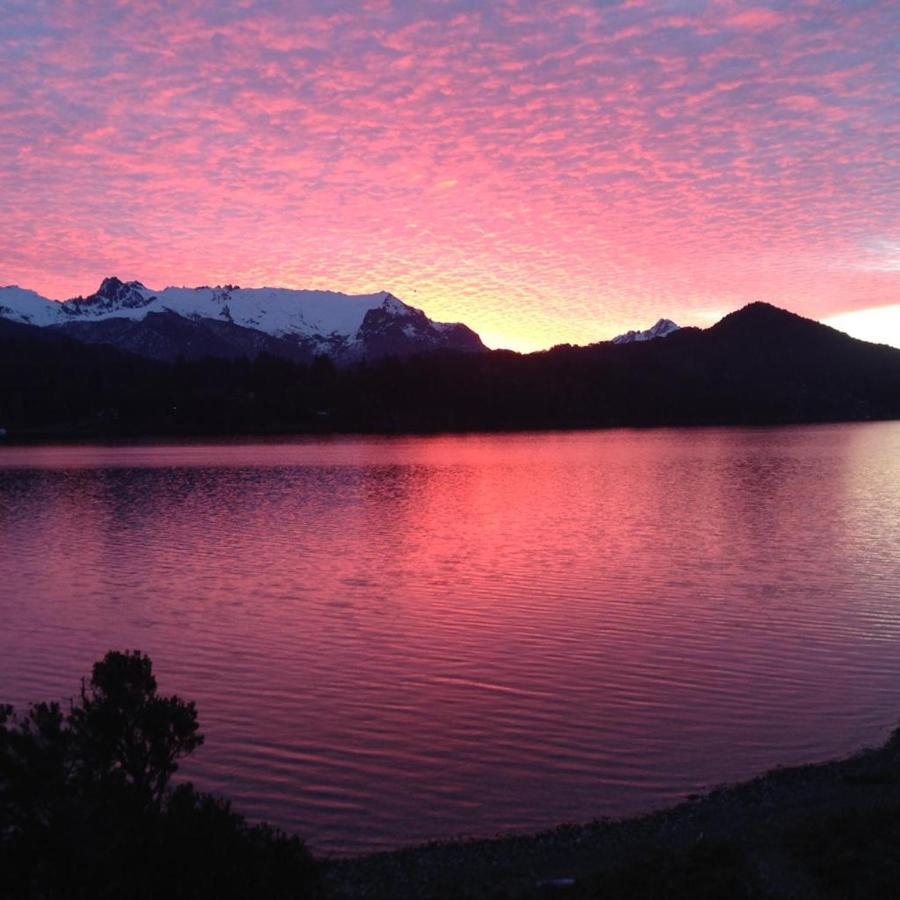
x=392, y=640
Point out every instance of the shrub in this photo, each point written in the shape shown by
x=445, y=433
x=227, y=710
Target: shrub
x=86, y=809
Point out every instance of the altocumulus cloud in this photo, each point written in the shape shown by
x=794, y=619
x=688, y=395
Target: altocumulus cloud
x=544, y=172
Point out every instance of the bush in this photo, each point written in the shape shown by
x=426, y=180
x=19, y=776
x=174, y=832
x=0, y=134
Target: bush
x=86, y=809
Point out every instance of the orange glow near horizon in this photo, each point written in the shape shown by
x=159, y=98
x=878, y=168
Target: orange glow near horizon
x=880, y=325
x=543, y=175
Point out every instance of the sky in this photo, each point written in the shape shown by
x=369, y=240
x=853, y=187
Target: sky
x=544, y=172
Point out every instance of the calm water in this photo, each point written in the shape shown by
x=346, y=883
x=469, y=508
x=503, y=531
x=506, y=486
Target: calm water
x=393, y=640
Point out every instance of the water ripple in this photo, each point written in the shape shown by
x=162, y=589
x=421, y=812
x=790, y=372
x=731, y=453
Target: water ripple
x=395, y=640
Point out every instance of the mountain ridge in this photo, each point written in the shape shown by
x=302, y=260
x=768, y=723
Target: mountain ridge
x=297, y=324
x=758, y=366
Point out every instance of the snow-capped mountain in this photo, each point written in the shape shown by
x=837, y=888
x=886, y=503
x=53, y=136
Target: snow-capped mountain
x=663, y=328
x=233, y=321
x=26, y=306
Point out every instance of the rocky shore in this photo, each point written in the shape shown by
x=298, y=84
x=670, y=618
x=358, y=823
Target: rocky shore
x=829, y=830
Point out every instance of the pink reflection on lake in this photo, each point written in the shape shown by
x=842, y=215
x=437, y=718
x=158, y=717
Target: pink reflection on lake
x=393, y=640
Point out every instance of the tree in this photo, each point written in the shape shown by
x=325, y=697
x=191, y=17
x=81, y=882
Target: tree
x=35, y=766
x=86, y=809
x=124, y=729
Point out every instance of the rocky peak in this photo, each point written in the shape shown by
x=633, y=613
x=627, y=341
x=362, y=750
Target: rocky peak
x=663, y=328
x=112, y=294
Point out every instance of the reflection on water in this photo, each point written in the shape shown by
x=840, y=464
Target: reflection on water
x=392, y=640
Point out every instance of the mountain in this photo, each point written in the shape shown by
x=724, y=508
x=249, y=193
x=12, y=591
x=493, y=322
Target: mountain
x=230, y=322
x=758, y=366
x=167, y=336
x=663, y=328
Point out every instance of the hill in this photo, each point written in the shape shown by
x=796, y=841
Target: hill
x=759, y=365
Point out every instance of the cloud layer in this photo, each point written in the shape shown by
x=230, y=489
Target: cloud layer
x=545, y=172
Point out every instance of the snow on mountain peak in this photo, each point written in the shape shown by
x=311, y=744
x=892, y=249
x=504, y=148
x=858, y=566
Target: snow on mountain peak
x=29, y=307
x=322, y=321
x=391, y=304
x=112, y=286
x=663, y=328
x=112, y=296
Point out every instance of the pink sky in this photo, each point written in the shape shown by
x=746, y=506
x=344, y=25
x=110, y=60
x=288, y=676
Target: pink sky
x=544, y=172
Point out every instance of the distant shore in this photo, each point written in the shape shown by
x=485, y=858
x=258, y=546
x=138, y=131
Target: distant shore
x=823, y=830
x=758, y=366
x=63, y=437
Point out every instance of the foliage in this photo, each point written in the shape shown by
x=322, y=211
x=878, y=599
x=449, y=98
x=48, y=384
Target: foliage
x=124, y=729
x=86, y=809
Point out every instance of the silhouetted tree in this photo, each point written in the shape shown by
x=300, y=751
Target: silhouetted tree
x=86, y=809
x=35, y=767
x=124, y=729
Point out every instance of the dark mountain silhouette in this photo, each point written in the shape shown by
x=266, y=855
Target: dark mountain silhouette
x=384, y=333
x=168, y=336
x=759, y=365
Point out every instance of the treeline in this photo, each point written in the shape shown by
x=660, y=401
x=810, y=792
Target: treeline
x=759, y=365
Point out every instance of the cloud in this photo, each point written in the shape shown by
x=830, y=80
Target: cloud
x=545, y=173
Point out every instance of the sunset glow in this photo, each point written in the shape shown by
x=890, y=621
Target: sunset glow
x=545, y=173
x=880, y=325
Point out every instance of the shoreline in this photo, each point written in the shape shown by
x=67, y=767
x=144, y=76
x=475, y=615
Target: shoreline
x=20, y=439
x=771, y=836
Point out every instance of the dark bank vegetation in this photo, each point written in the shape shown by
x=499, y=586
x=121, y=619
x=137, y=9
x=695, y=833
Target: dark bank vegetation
x=87, y=809
x=760, y=365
